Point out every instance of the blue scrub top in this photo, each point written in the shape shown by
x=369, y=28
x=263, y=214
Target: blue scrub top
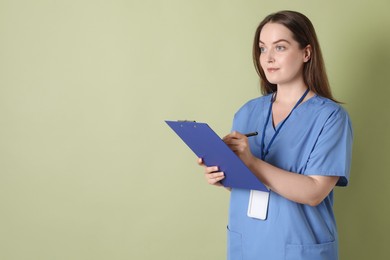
x=315, y=140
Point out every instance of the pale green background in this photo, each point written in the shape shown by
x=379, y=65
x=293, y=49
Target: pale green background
x=88, y=168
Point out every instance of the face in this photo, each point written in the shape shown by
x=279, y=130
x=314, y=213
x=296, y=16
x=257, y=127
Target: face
x=281, y=58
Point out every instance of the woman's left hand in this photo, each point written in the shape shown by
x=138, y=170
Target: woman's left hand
x=240, y=146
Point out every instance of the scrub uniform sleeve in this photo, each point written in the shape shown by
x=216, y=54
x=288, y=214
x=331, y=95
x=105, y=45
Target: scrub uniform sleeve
x=236, y=123
x=331, y=155
x=239, y=120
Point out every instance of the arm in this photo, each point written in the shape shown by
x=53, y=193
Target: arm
x=300, y=188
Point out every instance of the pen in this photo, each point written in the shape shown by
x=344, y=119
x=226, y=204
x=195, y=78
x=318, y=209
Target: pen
x=251, y=134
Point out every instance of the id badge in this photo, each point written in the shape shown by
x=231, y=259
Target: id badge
x=258, y=204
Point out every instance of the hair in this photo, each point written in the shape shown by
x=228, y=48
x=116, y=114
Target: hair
x=314, y=73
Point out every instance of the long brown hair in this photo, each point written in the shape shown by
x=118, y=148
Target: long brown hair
x=314, y=73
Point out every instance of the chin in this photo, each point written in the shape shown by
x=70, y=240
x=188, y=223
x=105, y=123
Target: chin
x=272, y=81
x=277, y=81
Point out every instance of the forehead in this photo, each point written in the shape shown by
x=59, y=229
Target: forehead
x=272, y=32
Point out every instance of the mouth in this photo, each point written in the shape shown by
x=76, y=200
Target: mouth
x=271, y=70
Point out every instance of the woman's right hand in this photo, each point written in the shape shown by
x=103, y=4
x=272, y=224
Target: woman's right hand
x=212, y=174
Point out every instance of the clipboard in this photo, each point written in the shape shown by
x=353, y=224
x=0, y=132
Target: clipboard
x=206, y=144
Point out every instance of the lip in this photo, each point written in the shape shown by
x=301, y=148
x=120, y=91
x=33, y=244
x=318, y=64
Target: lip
x=271, y=70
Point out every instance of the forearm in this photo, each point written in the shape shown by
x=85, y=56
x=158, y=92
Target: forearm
x=299, y=188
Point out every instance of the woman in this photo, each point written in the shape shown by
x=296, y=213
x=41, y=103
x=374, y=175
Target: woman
x=302, y=152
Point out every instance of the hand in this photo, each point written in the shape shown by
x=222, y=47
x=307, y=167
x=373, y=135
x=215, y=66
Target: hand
x=239, y=145
x=212, y=174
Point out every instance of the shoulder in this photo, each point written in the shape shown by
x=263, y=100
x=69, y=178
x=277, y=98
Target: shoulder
x=328, y=108
x=250, y=113
x=329, y=112
x=253, y=105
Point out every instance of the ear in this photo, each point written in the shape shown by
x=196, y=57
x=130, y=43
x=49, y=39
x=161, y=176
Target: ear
x=307, y=53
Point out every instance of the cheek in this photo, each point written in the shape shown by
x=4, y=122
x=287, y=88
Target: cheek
x=297, y=63
x=292, y=62
x=262, y=61
x=295, y=59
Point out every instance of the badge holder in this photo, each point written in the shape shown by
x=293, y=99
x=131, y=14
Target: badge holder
x=258, y=204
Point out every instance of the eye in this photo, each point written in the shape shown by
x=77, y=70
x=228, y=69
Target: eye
x=262, y=49
x=280, y=48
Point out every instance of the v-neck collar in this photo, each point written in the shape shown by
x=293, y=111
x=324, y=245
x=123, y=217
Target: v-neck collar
x=275, y=127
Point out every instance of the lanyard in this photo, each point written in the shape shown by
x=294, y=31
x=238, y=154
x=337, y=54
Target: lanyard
x=264, y=153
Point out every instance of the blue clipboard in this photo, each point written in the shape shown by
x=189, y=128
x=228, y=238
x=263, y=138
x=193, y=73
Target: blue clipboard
x=206, y=144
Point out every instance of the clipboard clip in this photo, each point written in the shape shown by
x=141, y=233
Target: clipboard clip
x=183, y=121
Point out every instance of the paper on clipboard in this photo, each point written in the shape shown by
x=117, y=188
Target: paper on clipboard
x=206, y=144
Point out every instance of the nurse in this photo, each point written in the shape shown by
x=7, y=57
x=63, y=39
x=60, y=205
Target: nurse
x=302, y=152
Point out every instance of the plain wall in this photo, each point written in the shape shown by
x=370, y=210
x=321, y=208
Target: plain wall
x=88, y=168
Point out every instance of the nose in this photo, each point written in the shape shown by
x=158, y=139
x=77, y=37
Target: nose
x=270, y=56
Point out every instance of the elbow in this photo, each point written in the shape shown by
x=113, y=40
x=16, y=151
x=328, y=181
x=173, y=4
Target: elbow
x=320, y=190
x=314, y=202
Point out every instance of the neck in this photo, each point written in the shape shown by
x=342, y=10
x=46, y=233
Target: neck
x=289, y=95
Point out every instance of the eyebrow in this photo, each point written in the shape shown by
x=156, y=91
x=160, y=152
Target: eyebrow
x=281, y=40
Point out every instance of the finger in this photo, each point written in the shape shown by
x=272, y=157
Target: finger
x=200, y=162
x=212, y=169
x=234, y=146
x=230, y=141
x=235, y=135
x=235, y=140
x=215, y=178
x=228, y=136
x=217, y=183
x=215, y=175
